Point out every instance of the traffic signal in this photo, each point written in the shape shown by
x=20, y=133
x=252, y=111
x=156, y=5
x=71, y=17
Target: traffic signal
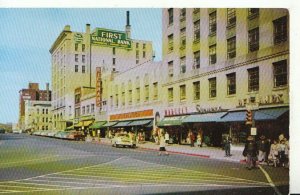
x=249, y=117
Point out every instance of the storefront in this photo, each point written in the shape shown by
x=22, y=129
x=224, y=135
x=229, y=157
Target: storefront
x=98, y=129
x=270, y=122
x=83, y=126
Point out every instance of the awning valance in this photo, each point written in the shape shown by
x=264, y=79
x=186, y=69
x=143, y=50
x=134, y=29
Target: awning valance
x=208, y=117
x=171, y=121
x=259, y=115
x=140, y=122
x=110, y=124
x=97, y=125
x=70, y=128
x=80, y=124
x=123, y=124
x=83, y=123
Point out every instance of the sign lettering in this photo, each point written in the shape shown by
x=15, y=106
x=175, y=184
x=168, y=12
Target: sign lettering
x=129, y=115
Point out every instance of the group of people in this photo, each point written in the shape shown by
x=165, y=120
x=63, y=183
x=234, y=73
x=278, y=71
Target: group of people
x=192, y=138
x=264, y=151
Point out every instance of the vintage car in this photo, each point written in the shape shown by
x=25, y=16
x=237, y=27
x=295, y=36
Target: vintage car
x=123, y=140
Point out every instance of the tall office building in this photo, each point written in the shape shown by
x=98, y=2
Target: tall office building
x=75, y=57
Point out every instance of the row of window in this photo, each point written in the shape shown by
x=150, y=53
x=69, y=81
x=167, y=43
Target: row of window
x=77, y=47
x=44, y=111
x=88, y=109
x=82, y=58
x=279, y=75
x=82, y=68
x=137, y=95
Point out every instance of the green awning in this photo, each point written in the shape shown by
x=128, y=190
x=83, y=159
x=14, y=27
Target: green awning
x=140, y=122
x=123, y=124
x=208, y=117
x=70, y=128
x=97, y=125
x=150, y=124
x=110, y=124
x=171, y=121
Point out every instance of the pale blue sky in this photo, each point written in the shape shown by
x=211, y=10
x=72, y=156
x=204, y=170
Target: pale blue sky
x=27, y=35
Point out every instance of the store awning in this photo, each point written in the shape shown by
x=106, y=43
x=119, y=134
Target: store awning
x=70, y=128
x=97, y=125
x=171, y=121
x=83, y=123
x=259, y=115
x=80, y=124
x=201, y=118
x=150, y=125
x=110, y=124
x=123, y=124
x=140, y=122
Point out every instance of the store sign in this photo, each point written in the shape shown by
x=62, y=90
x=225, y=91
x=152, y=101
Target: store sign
x=111, y=38
x=176, y=111
x=209, y=110
x=266, y=100
x=253, y=131
x=98, y=88
x=78, y=37
x=130, y=115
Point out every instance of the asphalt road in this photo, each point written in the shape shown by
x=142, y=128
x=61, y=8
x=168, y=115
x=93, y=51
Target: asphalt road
x=35, y=165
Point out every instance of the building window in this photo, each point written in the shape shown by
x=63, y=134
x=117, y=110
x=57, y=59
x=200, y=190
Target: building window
x=280, y=30
x=213, y=54
x=123, y=98
x=83, y=47
x=170, y=43
x=170, y=13
x=117, y=100
x=253, y=79
x=231, y=48
x=182, y=92
x=137, y=45
x=253, y=40
x=130, y=97
x=280, y=73
x=212, y=87
x=182, y=14
x=83, y=69
x=114, y=51
x=197, y=31
x=144, y=46
x=138, y=96
x=212, y=23
x=231, y=84
x=196, y=86
x=92, y=108
x=114, y=61
x=253, y=12
x=88, y=109
x=182, y=38
x=146, y=92
x=144, y=54
x=170, y=94
x=77, y=112
x=83, y=58
x=137, y=56
x=182, y=65
x=155, y=91
x=43, y=119
x=76, y=57
x=170, y=68
x=76, y=68
x=231, y=17
x=46, y=111
x=83, y=109
x=196, y=64
x=76, y=46
x=43, y=111
x=196, y=10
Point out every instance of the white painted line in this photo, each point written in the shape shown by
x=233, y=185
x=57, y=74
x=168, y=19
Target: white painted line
x=62, y=182
x=9, y=191
x=41, y=184
x=15, y=186
x=24, y=161
x=270, y=180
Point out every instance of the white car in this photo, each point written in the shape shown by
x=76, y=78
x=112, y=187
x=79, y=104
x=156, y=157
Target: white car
x=17, y=131
x=123, y=140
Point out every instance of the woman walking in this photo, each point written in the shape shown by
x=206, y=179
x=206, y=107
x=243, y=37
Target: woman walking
x=162, y=145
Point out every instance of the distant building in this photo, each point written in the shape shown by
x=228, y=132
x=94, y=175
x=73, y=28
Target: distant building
x=31, y=93
x=38, y=115
x=76, y=55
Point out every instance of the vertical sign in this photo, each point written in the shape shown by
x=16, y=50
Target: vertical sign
x=98, y=88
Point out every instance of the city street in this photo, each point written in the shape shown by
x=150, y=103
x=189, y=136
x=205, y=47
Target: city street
x=35, y=165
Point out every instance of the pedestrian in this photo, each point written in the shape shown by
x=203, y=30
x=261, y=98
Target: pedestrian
x=227, y=142
x=262, y=148
x=192, y=138
x=250, y=151
x=268, y=144
x=281, y=153
x=167, y=137
x=287, y=152
x=274, y=152
x=199, y=140
x=162, y=145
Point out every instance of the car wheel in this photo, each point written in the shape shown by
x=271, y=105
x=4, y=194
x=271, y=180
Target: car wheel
x=133, y=146
x=117, y=145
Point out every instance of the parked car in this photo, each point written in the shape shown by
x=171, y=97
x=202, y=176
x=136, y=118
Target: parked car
x=17, y=131
x=36, y=133
x=75, y=135
x=51, y=133
x=59, y=134
x=123, y=140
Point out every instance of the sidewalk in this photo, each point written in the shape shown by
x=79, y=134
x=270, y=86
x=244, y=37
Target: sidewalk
x=203, y=152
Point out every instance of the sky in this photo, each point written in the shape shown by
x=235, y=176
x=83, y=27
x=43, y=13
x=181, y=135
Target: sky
x=28, y=33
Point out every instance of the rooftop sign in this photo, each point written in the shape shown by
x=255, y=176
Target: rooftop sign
x=110, y=38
